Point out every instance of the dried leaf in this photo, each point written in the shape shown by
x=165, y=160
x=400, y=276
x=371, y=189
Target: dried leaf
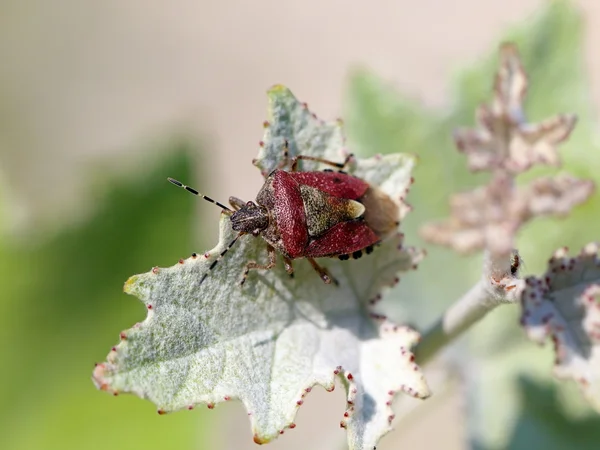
x=564, y=305
x=490, y=216
x=486, y=217
x=269, y=342
x=510, y=85
x=504, y=139
x=555, y=196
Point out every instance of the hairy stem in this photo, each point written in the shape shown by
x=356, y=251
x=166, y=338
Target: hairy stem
x=489, y=292
x=471, y=308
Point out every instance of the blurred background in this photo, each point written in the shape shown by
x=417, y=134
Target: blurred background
x=101, y=101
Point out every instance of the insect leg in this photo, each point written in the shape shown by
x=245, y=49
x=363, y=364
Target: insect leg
x=254, y=265
x=286, y=155
x=288, y=266
x=323, y=273
x=340, y=166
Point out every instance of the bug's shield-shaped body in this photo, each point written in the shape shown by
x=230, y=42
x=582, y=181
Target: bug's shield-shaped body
x=310, y=215
x=320, y=214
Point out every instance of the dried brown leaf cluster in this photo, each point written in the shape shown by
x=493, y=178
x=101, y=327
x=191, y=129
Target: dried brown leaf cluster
x=505, y=144
x=504, y=138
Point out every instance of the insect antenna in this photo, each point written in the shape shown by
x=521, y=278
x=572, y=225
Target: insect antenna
x=195, y=192
x=220, y=257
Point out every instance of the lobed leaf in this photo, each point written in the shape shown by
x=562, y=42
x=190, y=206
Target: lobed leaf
x=504, y=139
x=496, y=356
x=489, y=216
x=564, y=305
x=555, y=196
x=269, y=342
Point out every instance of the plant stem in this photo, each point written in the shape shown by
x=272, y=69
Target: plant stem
x=484, y=296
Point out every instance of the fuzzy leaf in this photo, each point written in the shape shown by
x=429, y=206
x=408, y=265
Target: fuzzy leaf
x=379, y=118
x=269, y=342
x=305, y=132
x=504, y=139
x=564, y=305
x=555, y=195
x=489, y=216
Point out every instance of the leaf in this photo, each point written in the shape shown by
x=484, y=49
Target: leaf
x=381, y=120
x=490, y=216
x=495, y=354
x=551, y=47
x=564, y=305
x=504, y=140
x=552, y=50
x=528, y=409
x=540, y=400
x=555, y=195
x=269, y=342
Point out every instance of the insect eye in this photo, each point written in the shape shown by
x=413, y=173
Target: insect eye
x=249, y=203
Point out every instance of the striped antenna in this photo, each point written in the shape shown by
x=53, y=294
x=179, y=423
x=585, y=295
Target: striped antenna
x=195, y=192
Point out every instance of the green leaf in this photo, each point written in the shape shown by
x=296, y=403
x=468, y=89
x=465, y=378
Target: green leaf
x=496, y=354
x=60, y=306
x=268, y=342
x=539, y=401
x=528, y=408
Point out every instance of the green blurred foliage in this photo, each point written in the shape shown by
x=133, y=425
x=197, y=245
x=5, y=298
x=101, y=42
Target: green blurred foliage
x=63, y=307
x=62, y=304
x=540, y=402
x=495, y=355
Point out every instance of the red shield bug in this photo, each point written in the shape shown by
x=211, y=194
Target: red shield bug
x=310, y=215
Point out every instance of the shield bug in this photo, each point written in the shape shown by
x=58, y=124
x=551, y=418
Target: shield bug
x=310, y=214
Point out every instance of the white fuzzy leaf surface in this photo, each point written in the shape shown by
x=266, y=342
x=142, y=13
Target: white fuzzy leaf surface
x=564, y=305
x=267, y=343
